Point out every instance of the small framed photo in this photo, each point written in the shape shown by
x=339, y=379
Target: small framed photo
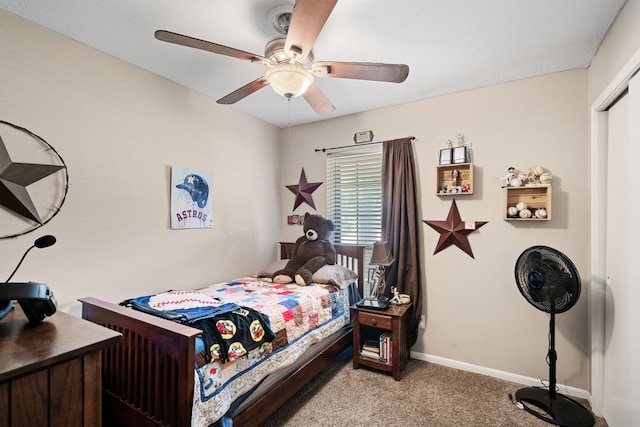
x=460, y=154
x=295, y=219
x=444, y=156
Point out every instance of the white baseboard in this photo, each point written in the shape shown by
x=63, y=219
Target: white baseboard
x=507, y=376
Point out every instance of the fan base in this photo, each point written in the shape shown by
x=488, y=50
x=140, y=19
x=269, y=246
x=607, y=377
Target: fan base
x=559, y=410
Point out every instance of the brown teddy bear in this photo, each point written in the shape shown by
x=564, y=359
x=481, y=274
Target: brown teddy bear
x=310, y=252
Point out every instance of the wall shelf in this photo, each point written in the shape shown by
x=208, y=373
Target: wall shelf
x=445, y=179
x=535, y=197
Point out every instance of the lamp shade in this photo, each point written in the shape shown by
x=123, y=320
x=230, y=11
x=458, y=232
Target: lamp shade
x=289, y=80
x=381, y=254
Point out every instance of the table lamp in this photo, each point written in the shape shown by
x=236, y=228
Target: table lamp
x=381, y=258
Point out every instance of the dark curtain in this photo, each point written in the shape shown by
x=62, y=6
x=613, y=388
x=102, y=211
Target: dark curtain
x=400, y=224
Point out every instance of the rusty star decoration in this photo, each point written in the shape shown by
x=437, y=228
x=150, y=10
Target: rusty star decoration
x=14, y=180
x=303, y=191
x=454, y=231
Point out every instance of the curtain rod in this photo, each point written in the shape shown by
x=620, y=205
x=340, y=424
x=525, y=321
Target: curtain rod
x=324, y=150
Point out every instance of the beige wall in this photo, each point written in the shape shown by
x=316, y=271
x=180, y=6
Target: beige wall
x=120, y=129
x=475, y=313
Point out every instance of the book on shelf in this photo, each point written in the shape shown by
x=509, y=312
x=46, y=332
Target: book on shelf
x=369, y=354
x=372, y=346
x=386, y=348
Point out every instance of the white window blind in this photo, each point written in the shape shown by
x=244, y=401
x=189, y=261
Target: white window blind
x=354, y=193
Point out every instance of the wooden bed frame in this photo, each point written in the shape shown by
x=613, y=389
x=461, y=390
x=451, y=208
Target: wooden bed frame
x=148, y=377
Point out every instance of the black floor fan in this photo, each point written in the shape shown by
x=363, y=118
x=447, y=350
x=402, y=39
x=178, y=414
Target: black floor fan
x=550, y=282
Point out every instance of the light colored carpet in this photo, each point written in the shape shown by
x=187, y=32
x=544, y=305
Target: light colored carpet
x=427, y=395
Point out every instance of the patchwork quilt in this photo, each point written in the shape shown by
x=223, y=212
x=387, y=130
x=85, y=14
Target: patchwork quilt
x=251, y=328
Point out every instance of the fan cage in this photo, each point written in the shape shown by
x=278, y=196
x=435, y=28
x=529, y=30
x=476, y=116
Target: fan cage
x=547, y=279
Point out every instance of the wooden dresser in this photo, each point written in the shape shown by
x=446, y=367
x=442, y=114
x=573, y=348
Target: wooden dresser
x=50, y=374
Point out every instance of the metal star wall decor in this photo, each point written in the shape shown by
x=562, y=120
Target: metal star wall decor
x=454, y=231
x=303, y=191
x=16, y=177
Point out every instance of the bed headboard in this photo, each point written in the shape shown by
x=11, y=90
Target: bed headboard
x=350, y=256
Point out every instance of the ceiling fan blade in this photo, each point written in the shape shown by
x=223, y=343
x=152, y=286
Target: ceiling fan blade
x=395, y=73
x=243, y=92
x=307, y=19
x=318, y=100
x=168, y=36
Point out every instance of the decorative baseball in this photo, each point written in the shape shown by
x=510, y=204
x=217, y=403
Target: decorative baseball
x=546, y=178
x=525, y=213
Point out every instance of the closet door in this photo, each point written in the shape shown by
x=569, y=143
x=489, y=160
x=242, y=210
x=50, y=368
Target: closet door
x=622, y=313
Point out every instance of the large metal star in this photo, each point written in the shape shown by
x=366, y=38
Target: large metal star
x=14, y=179
x=303, y=191
x=454, y=231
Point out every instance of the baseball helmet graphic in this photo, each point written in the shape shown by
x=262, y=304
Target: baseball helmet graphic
x=197, y=188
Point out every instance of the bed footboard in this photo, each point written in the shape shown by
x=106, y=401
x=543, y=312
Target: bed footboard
x=148, y=377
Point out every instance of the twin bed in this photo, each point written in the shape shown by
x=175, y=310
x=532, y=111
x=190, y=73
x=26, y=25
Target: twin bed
x=163, y=373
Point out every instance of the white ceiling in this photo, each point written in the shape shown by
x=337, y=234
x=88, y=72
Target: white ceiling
x=449, y=45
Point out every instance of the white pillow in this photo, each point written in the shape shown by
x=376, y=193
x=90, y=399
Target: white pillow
x=335, y=275
x=328, y=274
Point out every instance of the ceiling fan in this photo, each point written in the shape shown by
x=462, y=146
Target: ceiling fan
x=290, y=60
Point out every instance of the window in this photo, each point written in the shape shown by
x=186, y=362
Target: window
x=354, y=198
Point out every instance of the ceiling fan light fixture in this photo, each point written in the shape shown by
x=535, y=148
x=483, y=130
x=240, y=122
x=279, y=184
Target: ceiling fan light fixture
x=289, y=80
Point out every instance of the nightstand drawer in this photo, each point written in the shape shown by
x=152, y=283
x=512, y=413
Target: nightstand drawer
x=375, y=320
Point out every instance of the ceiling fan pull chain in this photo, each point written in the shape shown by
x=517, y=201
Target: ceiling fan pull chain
x=289, y=117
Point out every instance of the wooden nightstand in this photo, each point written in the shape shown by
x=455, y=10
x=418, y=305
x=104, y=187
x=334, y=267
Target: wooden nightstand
x=370, y=325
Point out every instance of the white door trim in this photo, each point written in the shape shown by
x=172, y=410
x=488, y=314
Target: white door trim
x=598, y=239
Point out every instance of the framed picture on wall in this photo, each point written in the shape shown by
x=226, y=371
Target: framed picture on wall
x=444, y=156
x=191, y=205
x=460, y=154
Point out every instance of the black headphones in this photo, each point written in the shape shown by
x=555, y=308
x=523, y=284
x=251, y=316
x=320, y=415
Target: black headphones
x=36, y=300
